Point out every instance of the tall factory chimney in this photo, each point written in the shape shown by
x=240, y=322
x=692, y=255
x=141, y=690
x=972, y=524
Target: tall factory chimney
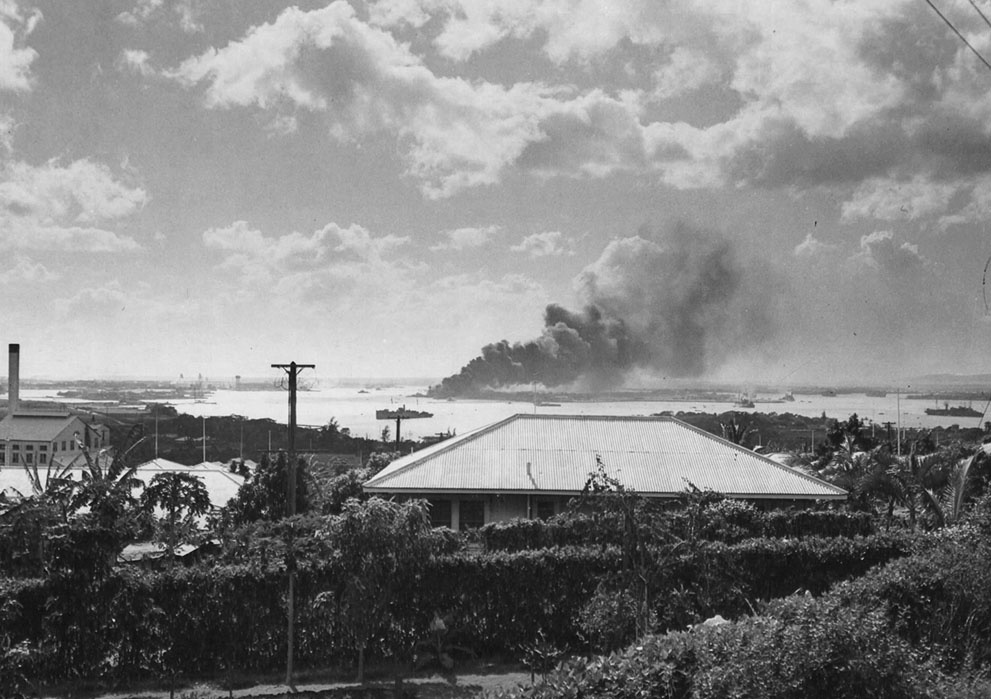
x=13, y=377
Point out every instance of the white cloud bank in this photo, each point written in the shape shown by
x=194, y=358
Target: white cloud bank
x=873, y=99
x=64, y=207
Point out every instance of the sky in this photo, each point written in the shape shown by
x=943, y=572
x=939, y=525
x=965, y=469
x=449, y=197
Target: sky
x=776, y=191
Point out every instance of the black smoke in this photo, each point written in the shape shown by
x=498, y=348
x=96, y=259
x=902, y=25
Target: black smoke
x=665, y=303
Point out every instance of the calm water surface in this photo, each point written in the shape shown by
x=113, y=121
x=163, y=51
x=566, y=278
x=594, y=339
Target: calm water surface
x=354, y=408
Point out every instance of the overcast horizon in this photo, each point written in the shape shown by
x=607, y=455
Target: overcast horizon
x=767, y=193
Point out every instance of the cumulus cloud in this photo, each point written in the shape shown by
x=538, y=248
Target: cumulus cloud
x=186, y=13
x=331, y=259
x=82, y=192
x=687, y=69
x=466, y=238
x=813, y=248
x=135, y=61
x=27, y=235
x=7, y=126
x=889, y=200
x=880, y=251
x=65, y=207
x=869, y=100
x=26, y=272
x=455, y=133
x=15, y=57
x=545, y=244
x=977, y=207
x=571, y=30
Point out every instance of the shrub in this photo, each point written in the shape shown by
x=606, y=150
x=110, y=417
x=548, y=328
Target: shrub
x=799, y=649
x=609, y=619
x=938, y=599
x=724, y=520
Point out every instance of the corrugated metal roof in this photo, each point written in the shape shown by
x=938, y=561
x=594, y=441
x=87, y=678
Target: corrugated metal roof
x=656, y=456
x=221, y=484
x=35, y=427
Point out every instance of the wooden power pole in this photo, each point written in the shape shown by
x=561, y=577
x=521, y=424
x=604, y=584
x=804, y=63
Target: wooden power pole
x=292, y=370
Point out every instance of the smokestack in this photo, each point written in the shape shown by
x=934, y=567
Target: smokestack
x=13, y=377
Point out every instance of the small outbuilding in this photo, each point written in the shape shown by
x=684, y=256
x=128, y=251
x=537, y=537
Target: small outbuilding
x=532, y=465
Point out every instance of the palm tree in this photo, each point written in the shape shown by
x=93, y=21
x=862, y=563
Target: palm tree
x=947, y=506
x=735, y=432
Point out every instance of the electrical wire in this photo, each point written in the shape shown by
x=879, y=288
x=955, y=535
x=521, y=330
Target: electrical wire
x=957, y=32
x=983, y=16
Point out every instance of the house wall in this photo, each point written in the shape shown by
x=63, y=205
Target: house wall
x=75, y=430
x=497, y=508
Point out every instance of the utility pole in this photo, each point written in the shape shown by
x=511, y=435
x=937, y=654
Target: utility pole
x=292, y=370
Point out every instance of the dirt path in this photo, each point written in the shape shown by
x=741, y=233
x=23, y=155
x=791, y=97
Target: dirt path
x=468, y=686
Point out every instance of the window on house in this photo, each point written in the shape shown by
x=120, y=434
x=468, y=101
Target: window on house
x=15, y=458
x=42, y=458
x=545, y=509
x=3, y=456
x=440, y=513
x=29, y=447
x=29, y=458
x=472, y=514
x=15, y=447
x=63, y=445
x=42, y=447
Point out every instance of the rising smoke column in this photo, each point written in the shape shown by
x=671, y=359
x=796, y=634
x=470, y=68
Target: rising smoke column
x=658, y=302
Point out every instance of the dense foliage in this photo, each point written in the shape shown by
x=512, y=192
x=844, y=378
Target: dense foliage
x=863, y=607
x=919, y=626
x=729, y=521
x=130, y=623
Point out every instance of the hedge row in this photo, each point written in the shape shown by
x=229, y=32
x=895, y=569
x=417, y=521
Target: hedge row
x=134, y=623
x=727, y=521
x=917, y=627
x=800, y=649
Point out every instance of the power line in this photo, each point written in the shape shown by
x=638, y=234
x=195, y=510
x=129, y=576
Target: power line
x=983, y=16
x=957, y=32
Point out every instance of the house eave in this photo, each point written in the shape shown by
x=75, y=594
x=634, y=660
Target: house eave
x=380, y=490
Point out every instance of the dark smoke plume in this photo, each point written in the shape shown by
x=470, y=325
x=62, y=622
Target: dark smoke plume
x=652, y=302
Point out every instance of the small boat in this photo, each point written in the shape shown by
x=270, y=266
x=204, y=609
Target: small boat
x=744, y=401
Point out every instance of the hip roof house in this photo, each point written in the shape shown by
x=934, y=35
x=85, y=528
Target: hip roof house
x=530, y=465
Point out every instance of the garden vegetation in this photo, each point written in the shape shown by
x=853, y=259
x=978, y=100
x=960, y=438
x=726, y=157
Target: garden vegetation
x=889, y=596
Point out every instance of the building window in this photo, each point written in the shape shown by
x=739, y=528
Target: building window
x=16, y=458
x=42, y=447
x=472, y=514
x=29, y=447
x=42, y=458
x=15, y=447
x=29, y=458
x=545, y=509
x=63, y=445
x=3, y=456
x=440, y=513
